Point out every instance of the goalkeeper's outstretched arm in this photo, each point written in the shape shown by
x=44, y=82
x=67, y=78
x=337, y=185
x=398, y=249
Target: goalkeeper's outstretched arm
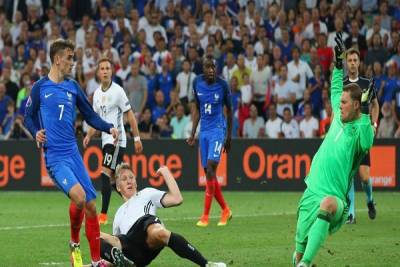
x=337, y=76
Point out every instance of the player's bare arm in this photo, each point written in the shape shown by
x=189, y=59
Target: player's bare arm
x=115, y=134
x=228, y=140
x=174, y=196
x=41, y=137
x=196, y=119
x=91, y=132
x=135, y=131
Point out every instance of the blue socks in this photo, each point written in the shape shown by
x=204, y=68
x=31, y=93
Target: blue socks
x=352, y=199
x=367, y=187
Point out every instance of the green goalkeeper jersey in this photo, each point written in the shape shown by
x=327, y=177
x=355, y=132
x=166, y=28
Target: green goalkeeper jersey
x=340, y=154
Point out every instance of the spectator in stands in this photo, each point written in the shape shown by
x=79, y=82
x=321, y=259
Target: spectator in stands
x=187, y=131
x=376, y=51
x=315, y=86
x=325, y=54
x=4, y=100
x=396, y=105
x=315, y=27
x=338, y=28
x=230, y=67
x=179, y=122
x=241, y=70
x=299, y=72
x=300, y=111
x=285, y=92
x=147, y=128
x=387, y=124
x=289, y=126
x=392, y=82
x=18, y=130
x=159, y=109
x=379, y=78
x=309, y=125
x=254, y=125
x=165, y=80
x=7, y=122
x=325, y=122
x=136, y=89
x=273, y=125
x=286, y=46
x=163, y=125
x=260, y=80
x=184, y=83
x=11, y=87
x=356, y=39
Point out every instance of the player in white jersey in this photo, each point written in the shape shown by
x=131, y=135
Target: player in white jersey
x=138, y=234
x=111, y=103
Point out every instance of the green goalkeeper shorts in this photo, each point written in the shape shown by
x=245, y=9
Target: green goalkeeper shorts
x=307, y=213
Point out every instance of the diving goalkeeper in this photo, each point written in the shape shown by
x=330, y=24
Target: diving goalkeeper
x=323, y=207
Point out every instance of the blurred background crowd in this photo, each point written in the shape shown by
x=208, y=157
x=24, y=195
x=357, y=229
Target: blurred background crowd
x=275, y=55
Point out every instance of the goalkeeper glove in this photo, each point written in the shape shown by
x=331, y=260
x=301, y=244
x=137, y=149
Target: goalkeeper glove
x=339, y=50
x=366, y=97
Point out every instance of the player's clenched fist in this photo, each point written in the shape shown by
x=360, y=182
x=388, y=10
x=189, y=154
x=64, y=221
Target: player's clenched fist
x=41, y=137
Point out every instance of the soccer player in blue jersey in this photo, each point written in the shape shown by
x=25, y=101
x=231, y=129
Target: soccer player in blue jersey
x=211, y=94
x=50, y=117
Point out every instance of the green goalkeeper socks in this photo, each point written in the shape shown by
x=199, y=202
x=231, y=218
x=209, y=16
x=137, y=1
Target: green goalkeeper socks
x=367, y=187
x=317, y=236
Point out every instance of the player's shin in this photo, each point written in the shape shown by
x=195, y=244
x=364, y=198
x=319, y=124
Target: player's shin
x=367, y=187
x=185, y=250
x=317, y=235
x=105, y=192
x=209, y=195
x=218, y=194
x=93, y=236
x=76, y=217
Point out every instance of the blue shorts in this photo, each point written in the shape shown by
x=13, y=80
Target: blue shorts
x=211, y=144
x=68, y=172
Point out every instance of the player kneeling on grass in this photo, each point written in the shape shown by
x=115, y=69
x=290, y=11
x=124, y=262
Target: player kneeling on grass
x=323, y=207
x=138, y=235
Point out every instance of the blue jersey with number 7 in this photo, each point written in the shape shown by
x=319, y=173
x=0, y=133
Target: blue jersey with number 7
x=211, y=99
x=52, y=106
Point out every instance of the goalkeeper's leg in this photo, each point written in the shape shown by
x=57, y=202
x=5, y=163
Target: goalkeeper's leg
x=367, y=187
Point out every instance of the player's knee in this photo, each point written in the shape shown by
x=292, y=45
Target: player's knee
x=79, y=201
x=162, y=236
x=329, y=204
x=364, y=173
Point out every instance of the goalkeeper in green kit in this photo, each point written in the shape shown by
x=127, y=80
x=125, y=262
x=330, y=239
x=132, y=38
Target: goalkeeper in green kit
x=323, y=207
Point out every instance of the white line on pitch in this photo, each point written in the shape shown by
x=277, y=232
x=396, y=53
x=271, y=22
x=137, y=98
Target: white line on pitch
x=25, y=227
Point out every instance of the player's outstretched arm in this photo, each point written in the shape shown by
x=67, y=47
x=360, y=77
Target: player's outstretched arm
x=88, y=137
x=90, y=116
x=135, y=131
x=229, y=118
x=174, y=196
x=337, y=75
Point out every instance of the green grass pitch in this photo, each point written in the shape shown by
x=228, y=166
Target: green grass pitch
x=34, y=231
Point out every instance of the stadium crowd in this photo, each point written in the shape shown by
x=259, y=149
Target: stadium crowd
x=277, y=57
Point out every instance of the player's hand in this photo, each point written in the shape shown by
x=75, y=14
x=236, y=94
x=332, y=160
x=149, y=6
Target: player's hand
x=339, y=50
x=162, y=170
x=227, y=145
x=366, y=97
x=115, y=134
x=86, y=141
x=138, y=146
x=41, y=137
x=190, y=141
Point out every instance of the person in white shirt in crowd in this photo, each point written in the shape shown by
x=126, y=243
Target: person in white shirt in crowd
x=285, y=91
x=230, y=67
x=376, y=28
x=289, y=126
x=299, y=72
x=309, y=126
x=260, y=80
x=387, y=125
x=246, y=90
x=125, y=69
x=179, y=122
x=338, y=28
x=315, y=26
x=273, y=125
x=250, y=60
x=254, y=125
x=138, y=234
x=184, y=83
x=153, y=26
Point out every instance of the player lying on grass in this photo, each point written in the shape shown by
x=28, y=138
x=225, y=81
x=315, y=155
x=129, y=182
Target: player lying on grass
x=138, y=235
x=324, y=207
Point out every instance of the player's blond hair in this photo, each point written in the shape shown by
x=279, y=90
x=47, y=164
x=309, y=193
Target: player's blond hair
x=120, y=168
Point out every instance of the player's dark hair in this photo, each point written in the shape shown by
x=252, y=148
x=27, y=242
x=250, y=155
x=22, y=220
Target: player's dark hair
x=60, y=45
x=352, y=51
x=354, y=90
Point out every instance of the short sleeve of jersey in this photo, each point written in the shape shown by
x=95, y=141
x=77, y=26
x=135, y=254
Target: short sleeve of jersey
x=155, y=196
x=123, y=101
